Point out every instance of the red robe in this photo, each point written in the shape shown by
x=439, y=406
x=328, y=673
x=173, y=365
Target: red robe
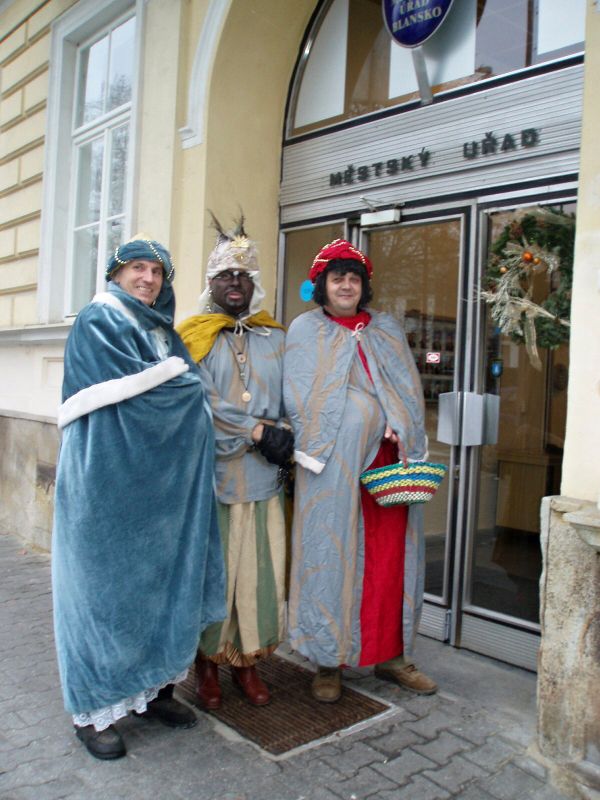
x=385, y=530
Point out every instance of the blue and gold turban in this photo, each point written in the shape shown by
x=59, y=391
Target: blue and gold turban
x=141, y=247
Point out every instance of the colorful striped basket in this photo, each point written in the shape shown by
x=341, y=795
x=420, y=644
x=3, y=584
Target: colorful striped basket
x=403, y=483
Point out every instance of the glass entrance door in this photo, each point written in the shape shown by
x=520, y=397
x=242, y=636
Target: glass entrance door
x=418, y=271
x=482, y=530
x=500, y=594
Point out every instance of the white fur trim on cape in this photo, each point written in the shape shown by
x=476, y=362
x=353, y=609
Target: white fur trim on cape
x=111, y=300
x=114, y=391
x=308, y=462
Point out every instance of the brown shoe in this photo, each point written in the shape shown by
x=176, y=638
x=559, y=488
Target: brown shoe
x=208, y=690
x=249, y=681
x=408, y=677
x=327, y=684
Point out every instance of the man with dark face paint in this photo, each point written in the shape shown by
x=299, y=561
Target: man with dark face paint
x=239, y=350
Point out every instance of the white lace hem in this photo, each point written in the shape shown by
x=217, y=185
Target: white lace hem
x=103, y=717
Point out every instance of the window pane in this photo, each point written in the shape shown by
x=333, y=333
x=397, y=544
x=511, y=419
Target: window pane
x=416, y=279
x=300, y=249
x=321, y=94
x=368, y=64
x=121, y=64
x=114, y=235
x=523, y=466
x=354, y=67
x=107, y=70
x=94, y=62
x=560, y=25
x=502, y=41
x=89, y=189
x=85, y=267
x=118, y=169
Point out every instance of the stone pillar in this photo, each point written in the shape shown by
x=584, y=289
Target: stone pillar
x=569, y=659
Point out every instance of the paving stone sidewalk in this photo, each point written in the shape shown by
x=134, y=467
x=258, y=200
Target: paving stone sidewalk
x=471, y=741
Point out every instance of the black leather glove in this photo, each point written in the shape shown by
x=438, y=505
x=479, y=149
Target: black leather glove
x=276, y=445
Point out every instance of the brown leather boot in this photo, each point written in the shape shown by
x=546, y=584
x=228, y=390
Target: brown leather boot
x=249, y=681
x=326, y=686
x=409, y=677
x=208, y=690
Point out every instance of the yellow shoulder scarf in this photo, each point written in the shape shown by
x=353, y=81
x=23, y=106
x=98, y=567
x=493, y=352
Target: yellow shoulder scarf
x=199, y=332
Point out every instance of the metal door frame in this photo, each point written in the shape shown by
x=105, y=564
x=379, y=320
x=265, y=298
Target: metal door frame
x=437, y=619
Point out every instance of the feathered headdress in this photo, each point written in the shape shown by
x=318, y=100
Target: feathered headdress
x=234, y=250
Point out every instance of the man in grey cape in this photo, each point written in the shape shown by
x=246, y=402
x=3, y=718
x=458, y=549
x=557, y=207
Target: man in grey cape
x=354, y=398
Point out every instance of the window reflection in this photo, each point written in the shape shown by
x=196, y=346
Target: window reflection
x=89, y=182
x=416, y=271
x=121, y=64
x=93, y=80
x=301, y=246
x=520, y=469
x=105, y=73
x=355, y=68
x=101, y=145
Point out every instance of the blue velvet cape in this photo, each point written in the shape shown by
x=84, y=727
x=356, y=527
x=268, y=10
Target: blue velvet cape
x=137, y=564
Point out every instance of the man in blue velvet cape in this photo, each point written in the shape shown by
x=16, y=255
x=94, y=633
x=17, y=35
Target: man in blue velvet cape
x=137, y=564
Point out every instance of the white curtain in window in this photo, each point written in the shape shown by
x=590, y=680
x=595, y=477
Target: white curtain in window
x=560, y=24
x=322, y=90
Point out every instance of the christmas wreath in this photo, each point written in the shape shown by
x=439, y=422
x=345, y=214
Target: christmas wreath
x=538, y=244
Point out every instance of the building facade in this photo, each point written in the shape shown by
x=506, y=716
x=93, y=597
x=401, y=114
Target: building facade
x=127, y=116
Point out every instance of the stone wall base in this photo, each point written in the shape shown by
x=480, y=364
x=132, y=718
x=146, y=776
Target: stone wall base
x=28, y=452
x=569, y=659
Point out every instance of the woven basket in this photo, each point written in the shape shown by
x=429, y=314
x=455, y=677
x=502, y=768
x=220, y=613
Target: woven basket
x=403, y=483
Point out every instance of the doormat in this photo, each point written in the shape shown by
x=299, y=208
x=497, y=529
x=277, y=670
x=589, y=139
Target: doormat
x=293, y=717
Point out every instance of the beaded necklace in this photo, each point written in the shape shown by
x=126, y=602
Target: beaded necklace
x=241, y=361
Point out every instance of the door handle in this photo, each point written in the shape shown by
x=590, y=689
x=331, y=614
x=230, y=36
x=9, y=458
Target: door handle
x=473, y=417
x=480, y=414
x=491, y=417
x=448, y=430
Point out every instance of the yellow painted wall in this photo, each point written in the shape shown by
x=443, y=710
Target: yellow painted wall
x=24, y=56
x=154, y=184
x=240, y=164
x=581, y=465
x=188, y=217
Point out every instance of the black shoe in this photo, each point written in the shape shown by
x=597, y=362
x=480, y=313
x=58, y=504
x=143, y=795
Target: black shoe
x=106, y=744
x=170, y=712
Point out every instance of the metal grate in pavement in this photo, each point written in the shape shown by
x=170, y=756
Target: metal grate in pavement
x=292, y=718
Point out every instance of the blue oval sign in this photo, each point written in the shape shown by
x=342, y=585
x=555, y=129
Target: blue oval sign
x=412, y=22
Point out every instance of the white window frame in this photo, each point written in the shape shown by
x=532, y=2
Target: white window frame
x=69, y=32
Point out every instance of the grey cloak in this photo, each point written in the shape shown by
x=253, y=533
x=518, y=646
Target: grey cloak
x=250, y=513
x=339, y=417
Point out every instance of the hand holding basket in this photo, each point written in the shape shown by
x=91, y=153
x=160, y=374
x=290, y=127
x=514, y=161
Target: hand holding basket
x=403, y=483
